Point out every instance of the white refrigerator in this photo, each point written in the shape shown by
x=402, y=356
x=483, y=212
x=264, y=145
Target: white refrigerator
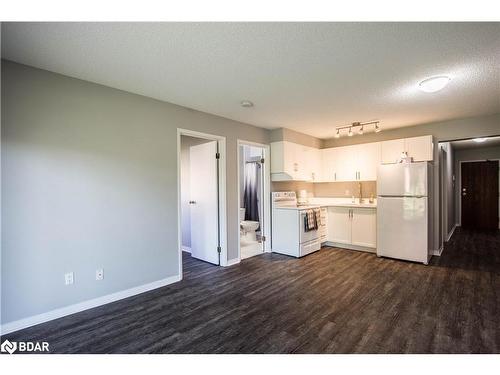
x=403, y=207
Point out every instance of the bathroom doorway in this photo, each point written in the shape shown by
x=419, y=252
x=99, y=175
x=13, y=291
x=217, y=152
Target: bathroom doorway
x=254, y=199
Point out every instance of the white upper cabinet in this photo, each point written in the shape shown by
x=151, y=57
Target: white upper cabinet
x=346, y=164
x=367, y=161
x=291, y=161
x=314, y=165
x=391, y=150
x=419, y=148
x=351, y=163
x=284, y=164
x=329, y=158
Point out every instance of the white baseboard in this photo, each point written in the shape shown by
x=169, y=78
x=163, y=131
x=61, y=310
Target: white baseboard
x=187, y=249
x=231, y=262
x=72, y=309
x=438, y=252
x=451, y=232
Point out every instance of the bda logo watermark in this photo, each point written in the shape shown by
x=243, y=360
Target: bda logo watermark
x=21, y=346
x=8, y=347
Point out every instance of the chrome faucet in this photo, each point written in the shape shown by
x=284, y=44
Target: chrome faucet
x=360, y=193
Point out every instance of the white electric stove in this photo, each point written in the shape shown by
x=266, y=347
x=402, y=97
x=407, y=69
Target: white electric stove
x=289, y=235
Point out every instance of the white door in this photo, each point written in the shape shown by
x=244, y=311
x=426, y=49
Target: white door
x=339, y=224
x=364, y=227
x=204, y=202
x=402, y=228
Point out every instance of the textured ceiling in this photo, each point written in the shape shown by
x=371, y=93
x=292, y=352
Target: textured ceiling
x=469, y=143
x=309, y=77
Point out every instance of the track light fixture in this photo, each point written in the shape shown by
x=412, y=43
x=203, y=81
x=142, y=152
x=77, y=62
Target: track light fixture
x=359, y=125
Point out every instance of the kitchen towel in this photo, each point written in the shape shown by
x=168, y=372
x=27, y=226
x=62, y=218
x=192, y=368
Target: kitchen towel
x=312, y=219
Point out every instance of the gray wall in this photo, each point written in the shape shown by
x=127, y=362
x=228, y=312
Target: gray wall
x=89, y=180
x=470, y=155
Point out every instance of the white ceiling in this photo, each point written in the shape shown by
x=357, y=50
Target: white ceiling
x=469, y=143
x=309, y=77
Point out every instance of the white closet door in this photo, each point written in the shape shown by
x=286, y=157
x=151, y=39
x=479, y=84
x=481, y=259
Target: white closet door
x=204, y=202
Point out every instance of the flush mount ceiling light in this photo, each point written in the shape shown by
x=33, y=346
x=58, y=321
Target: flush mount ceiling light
x=479, y=140
x=360, y=125
x=246, y=104
x=434, y=84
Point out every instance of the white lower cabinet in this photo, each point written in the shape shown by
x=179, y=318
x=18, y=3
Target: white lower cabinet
x=352, y=226
x=364, y=227
x=324, y=224
x=339, y=225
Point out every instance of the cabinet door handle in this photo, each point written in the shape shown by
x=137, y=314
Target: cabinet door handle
x=335, y=176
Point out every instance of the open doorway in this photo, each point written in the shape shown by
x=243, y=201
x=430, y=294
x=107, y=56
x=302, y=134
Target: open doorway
x=201, y=192
x=469, y=184
x=254, y=196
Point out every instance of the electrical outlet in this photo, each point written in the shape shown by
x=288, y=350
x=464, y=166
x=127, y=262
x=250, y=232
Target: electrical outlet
x=69, y=278
x=99, y=274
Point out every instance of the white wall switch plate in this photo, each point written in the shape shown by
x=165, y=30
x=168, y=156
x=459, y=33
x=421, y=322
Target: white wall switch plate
x=69, y=278
x=99, y=274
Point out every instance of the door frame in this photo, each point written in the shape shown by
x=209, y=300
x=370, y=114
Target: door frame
x=266, y=193
x=460, y=185
x=221, y=142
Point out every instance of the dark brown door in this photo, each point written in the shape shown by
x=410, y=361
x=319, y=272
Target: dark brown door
x=480, y=195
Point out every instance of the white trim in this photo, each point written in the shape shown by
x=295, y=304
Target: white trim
x=78, y=307
x=232, y=262
x=266, y=193
x=221, y=141
x=451, y=232
x=437, y=252
x=186, y=249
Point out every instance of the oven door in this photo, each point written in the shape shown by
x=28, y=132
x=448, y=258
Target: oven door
x=306, y=236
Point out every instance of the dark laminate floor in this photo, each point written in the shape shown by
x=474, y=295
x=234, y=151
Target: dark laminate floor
x=333, y=301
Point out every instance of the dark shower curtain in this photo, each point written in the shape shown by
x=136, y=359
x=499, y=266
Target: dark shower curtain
x=250, y=196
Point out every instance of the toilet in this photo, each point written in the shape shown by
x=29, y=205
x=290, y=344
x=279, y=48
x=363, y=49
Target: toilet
x=248, y=228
